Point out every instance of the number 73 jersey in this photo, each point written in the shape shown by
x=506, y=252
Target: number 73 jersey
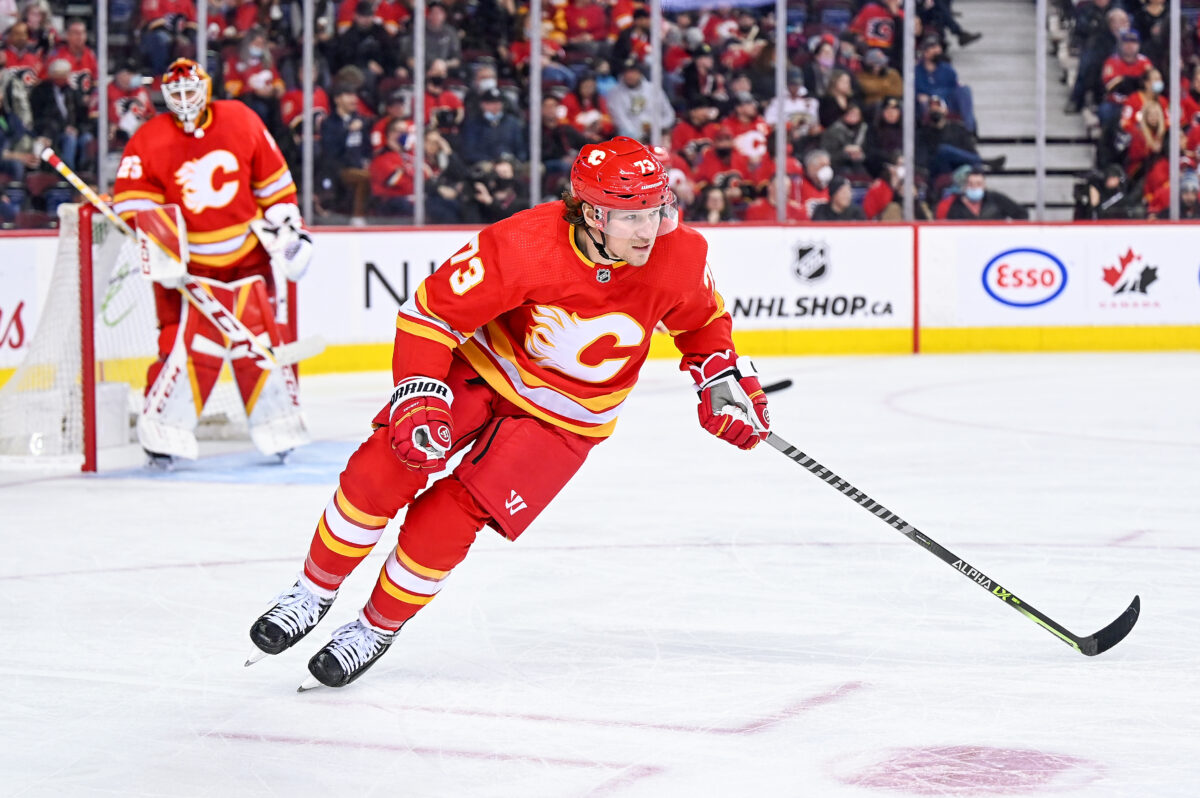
x=556, y=334
x=221, y=179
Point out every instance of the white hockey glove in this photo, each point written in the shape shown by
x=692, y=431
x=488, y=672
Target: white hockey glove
x=283, y=236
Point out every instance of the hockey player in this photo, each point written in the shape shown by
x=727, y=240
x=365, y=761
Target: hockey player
x=218, y=163
x=519, y=351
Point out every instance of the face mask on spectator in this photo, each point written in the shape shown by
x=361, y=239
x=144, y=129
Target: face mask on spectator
x=1156, y=86
x=825, y=174
x=491, y=116
x=825, y=61
x=254, y=52
x=900, y=173
x=974, y=194
x=487, y=83
x=723, y=151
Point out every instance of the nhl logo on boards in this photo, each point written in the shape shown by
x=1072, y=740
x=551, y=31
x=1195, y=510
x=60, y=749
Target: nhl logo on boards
x=603, y=275
x=812, y=260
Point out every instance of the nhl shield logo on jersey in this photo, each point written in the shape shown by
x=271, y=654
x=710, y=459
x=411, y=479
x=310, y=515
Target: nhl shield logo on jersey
x=603, y=275
x=812, y=260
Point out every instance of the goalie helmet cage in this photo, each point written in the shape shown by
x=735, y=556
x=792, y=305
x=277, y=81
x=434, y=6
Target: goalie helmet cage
x=80, y=386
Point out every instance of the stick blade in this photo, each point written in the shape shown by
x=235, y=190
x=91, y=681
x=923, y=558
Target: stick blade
x=1115, y=632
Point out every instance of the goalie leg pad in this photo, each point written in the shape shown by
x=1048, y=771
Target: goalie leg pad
x=271, y=398
x=178, y=385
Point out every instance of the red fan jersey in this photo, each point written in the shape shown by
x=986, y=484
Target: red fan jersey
x=242, y=77
x=222, y=179
x=84, y=67
x=26, y=64
x=559, y=336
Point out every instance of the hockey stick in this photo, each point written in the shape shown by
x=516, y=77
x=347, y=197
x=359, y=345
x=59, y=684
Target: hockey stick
x=781, y=385
x=240, y=338
x=1101, y=641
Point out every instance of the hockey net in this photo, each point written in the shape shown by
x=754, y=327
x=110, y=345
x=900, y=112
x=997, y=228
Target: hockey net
x=49, y=415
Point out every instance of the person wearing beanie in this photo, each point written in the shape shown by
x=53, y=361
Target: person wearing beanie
x=841, y=207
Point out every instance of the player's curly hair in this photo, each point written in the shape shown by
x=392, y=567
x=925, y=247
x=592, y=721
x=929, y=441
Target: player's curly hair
x=573, y=212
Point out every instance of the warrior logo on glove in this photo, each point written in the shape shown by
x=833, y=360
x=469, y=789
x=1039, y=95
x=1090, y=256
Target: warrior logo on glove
x=422, y=429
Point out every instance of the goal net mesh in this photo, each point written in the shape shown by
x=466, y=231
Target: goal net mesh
x=41, y=405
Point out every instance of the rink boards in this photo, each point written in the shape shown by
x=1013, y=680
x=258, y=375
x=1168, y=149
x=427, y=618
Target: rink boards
x=792, y=290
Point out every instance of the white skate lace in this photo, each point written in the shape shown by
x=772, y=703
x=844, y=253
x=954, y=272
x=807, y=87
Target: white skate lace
x=296, y=610
x=354, y=645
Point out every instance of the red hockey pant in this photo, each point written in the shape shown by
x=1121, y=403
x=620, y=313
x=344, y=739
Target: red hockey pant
x=513, y=466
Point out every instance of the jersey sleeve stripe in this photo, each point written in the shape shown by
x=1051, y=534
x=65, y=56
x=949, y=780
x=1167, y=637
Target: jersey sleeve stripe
x=150, y=195
x=221, y=233
x=420, y=330
x=278, y=196
x=415, y=310
x=274, y=177
x=131, y=206
x=224, y=260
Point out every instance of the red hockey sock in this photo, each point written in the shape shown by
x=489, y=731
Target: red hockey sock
x=345, y=536
x=438, y=531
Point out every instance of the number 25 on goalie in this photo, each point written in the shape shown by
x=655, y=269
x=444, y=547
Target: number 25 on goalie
x=469, y=276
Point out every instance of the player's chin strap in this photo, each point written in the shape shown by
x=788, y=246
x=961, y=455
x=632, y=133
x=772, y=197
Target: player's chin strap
x=587, y=231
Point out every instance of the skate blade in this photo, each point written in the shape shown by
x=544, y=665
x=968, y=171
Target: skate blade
x=308, y=684
x=255, y=655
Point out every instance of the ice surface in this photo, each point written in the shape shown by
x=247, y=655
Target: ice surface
x=685, y=620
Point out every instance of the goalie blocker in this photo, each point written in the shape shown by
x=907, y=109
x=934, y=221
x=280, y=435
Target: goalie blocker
x=196, y=350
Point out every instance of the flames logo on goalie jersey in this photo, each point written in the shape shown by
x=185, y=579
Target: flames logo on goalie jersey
x=197, y=178
x=559, y=338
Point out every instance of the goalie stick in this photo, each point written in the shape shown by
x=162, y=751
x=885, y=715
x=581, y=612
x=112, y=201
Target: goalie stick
x=1092, y=645
x=240, y=338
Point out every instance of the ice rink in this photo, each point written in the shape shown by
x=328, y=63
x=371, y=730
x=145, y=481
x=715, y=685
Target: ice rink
x=686, y=620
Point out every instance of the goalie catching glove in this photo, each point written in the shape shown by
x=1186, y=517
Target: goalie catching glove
x=420, y=422
x=283, y=236
x=732, y=403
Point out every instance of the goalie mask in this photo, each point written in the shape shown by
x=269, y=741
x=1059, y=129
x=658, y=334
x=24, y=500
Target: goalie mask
x=187, y=91
x=627, y=187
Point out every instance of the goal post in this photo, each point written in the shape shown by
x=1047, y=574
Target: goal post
x=80, y=384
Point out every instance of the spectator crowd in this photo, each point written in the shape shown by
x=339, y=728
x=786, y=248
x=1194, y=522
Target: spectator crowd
x=715, y=112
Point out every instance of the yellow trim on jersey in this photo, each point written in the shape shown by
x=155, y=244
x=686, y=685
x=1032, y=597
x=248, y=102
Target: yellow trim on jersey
x=495, y=378
x=336, y=546
x=221, y=233
x=132, y=194
x=228, y=258
x=423, y=302
x=503, y=348
x=586, y=260
x=417, y=568
x=356, y=515
x=269, y=180
x=290, y=188
x=399, y=593
x=421, y=331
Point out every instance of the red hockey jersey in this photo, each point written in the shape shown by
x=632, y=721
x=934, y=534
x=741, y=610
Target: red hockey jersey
x=559, y=336
x=222, y=180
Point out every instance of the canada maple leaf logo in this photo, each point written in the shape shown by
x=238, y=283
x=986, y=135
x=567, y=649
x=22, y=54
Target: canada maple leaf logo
x=1122, y=278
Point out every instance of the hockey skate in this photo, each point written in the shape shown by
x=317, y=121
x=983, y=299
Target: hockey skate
x=156, y=461
x=353, y=649
x=291, y=616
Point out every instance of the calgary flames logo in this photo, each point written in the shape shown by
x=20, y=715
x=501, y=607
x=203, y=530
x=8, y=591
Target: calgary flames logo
x=198, y=180
x=558, y=339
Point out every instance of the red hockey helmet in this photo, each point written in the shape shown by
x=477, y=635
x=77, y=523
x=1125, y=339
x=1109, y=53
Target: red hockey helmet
x=187, y=91
x=626, y=184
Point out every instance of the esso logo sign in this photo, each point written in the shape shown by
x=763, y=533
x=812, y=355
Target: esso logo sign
x=1024, y=278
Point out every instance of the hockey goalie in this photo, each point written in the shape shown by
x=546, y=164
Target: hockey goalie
x=210, y=195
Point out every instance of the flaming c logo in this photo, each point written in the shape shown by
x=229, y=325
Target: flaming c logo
x=198, y=180
x=558, y=339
